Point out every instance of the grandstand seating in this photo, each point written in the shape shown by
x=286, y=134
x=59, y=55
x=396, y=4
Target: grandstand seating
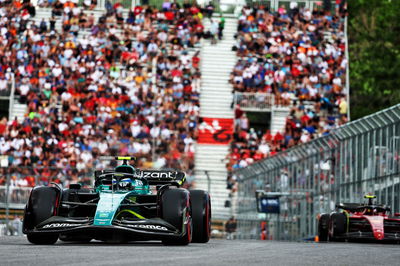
x=297, y=55
x=124, y=86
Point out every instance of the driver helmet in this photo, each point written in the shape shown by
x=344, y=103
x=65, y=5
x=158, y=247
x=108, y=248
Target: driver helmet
x=125, y=183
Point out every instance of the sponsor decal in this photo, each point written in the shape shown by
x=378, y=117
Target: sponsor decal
x=104, y=214
x=215, y=131
x=148, y=226
x=133, y=199
x=58, y=225
x=138, y=183
x=170, y=175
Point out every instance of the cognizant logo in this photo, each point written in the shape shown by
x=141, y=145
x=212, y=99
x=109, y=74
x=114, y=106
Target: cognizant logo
x=169, y=175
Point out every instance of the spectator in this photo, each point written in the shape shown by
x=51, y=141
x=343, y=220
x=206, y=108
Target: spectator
x=230, y=228
x=221, y=26
x=4, y=89
x=210, y=9
x=15, y=226
x=214, y=29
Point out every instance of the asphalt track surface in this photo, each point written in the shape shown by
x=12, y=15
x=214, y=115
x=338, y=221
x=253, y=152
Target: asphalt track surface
x=17, y=251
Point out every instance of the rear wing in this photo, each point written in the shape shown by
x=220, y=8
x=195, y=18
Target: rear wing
x=353, y=207
x=154, y=177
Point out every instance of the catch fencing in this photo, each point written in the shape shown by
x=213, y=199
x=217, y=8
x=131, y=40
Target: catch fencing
x=128, y=4
x=254, y=101
x=275, y=4
x=16, y=183
x=358, y=158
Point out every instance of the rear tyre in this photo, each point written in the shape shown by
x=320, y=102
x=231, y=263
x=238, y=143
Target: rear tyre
x=176, y=210
x=323, y=227
x=41, y=206
x=201, y=216
x=337, y=226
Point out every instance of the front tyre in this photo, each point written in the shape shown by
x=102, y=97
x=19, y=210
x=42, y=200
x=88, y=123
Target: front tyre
x=323, y=227
x=176, y=210
x=201, y=215
x=74, y=238
x=42, y=239
x=42, y=205
x=337, y=227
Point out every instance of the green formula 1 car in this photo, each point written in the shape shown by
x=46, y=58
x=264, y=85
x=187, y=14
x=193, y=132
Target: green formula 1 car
x=120, y=208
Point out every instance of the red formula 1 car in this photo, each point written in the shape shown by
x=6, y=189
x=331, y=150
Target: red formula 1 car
x=360, y=221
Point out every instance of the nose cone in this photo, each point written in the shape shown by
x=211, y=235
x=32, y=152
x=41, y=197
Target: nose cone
x=377, y=226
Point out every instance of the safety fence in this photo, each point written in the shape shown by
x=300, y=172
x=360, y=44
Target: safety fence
x=128, y=4
x=5, y=91
x=221, y=189
x=21, y=178
x=16, y=183
x=358, y=158
x=254, y=101
x=275, y=4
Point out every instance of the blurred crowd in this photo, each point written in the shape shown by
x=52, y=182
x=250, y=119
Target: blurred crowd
x=297, y=57
x=118, y=83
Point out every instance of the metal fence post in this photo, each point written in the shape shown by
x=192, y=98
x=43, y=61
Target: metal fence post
x=7, y=200
x=153, y=149
x=208, y=180
x=11, y=101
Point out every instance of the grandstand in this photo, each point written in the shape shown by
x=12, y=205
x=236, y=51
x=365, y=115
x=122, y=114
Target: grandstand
x=82, y=80
x=96, y=82
x=290, y=82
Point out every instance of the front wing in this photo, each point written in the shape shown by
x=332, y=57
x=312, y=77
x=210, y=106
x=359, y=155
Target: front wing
x=369, y=236
x=383, y=230
x=146, y=229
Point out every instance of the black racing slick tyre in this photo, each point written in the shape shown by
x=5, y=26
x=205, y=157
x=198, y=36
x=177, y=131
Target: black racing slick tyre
x=74, y=238
x=201, y=216
x=176, y=210
x=42, y=204
x=42, y=239
x=323, y=227
x=337, y=226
